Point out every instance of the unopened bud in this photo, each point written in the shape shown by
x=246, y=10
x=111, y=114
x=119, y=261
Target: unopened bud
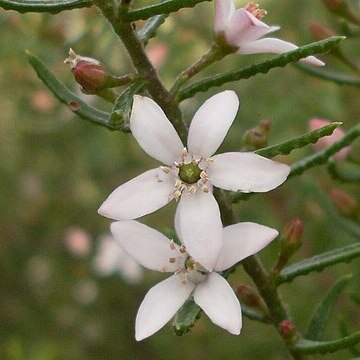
x=250, y=297
x=341, y=8
x=88, y=72
x=345, y=204
x=287, y=330
x=257, y=137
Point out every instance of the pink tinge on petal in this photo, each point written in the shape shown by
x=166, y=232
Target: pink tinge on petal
x=327, y=141
x=160, y=305
x=223, y=12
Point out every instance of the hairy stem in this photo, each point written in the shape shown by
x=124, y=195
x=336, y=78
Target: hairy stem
x=135, y=49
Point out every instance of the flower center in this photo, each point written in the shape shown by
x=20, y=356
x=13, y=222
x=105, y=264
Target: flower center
x=253, y=9
x=189, y=173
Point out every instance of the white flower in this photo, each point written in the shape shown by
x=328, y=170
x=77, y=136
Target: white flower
x=209, y=289
x=193, y=171
x=243, y=30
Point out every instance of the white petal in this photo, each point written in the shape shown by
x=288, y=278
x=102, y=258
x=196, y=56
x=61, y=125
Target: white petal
x=211, y=123
x=223, y=12
x=242, y=240
x=217, y=299
x=246, y=27
x=199, y=227
x=153, y=131
x=275, y=46
x=147, y=246
x=140, y=196
x=246, y=172
x=160, y=305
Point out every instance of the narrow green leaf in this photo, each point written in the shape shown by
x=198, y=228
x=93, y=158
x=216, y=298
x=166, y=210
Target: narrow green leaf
x=165, y=7
x=321, y=315
x=319, y=262
x=286, y=147
x=345, y=332
x=344, y=171
x=120, y=114
x=324, y=347
x=50, y=6
x=148, y=31
x=264, y=67
x=323, y=156
x=67, y=97
x=330, y=76
x=186, y=317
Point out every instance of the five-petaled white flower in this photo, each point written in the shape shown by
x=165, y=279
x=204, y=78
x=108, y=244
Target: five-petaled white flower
x=209, y=289
x=243, y=30
x=191, y=171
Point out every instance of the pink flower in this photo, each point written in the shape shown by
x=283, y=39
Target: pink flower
x=243, y=30
x=327, y=141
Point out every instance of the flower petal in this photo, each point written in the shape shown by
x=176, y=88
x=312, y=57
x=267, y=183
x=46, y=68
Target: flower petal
x=217, y=299
x=275, y=46
x=223, y=12
x=147, y=246
x=160, y=305
x=140, y=196
x=242, y=240
x=199, y=227
x=153, y=131
x=246, y=172
x=211, y=123
x=245, y=27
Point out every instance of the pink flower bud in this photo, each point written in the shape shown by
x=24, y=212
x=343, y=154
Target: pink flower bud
x=292, y=237
x=250, y=297
x=344, y=203
x=321, y=32
x=327, y=141
x=88, y=72
x=257, y=137
x=287, y=330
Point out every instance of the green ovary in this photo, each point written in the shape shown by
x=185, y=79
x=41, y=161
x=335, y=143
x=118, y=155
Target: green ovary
x=189, y=173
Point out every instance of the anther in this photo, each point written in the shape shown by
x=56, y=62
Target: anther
x=182, y=249
x=204, y=175
x=177, y=195
x=205, y=189
x=209, y=160
x=178, y=184
x=172, y=245
x=172, y=260
x=176, y=164
x=196, y=162
x=165, y=169
x=184, y=153
x=192, y=189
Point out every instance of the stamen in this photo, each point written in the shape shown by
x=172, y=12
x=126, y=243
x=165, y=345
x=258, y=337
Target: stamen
x=182, y=249
x=165, y=169
x=253, y=9
x=177, y=195
x=205, y=189
x=209, y=160
x=176, y=164
x=172, y=260
x=172, y=245
x=178, y=184
x=195, y=162
x=177, y=272
x=204, y=175
x=184, y=153
x=192, y=189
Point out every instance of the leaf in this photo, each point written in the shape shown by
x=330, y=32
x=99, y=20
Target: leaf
x=264, y=67
x=344, y=171
x=148, y=31
x=323, y=347
x=319, y=262
x=165, y=7
x=77, y=105
x=345, y=332
x=120, y=114
x=186, y=317
x=50, y=6
x=322, y=313
x=323, y=156
x=286, y=147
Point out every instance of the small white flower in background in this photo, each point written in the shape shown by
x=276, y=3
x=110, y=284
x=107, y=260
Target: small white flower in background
x=210, y=290
x=243, y=30
x=111, y=258
x=192, y=171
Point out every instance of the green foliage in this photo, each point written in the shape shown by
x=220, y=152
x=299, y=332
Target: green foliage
x=50, y=6
x=262, y=68
x=319, y=262
x=322, y=313
x=67, y=97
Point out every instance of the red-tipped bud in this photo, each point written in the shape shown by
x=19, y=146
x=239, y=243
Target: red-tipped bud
x=345, y=204
x=292, y=236
x=257, y=137
x=250, y=297
x=88, y=72
x=287, y=330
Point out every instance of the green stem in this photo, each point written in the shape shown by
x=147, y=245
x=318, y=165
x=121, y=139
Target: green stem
x=214, y=54
x=135, y=49
x=255, y=269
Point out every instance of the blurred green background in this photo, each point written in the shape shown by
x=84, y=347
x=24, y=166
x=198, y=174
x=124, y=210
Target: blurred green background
x=65, y=292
